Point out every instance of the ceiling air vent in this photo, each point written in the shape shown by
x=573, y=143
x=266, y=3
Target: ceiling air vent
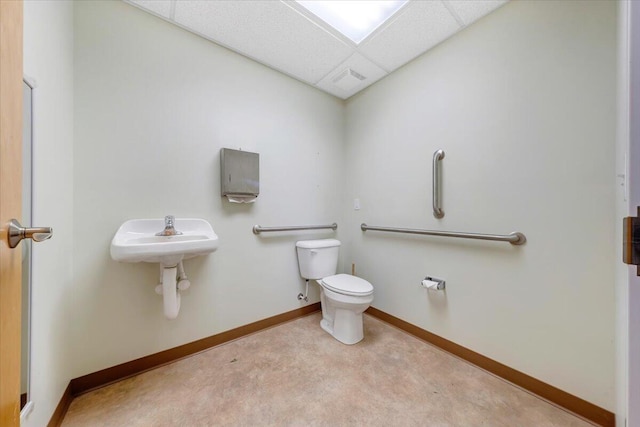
x=348, y=79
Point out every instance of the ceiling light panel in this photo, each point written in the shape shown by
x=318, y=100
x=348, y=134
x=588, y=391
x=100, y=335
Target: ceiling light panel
x=159, y=7
x=416, y=29
x=355, y=19
x=270, y=32
x=470, y=11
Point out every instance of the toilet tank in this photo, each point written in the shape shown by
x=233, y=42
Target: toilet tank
x=318, y=258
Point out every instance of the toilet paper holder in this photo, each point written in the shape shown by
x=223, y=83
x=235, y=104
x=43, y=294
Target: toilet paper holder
x=433, y=283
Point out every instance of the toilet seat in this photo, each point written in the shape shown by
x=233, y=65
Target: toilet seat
x=347, y=284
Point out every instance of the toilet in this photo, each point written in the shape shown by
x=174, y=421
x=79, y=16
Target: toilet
x=343, y=297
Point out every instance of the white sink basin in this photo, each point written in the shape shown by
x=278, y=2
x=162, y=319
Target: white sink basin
x=136, y=241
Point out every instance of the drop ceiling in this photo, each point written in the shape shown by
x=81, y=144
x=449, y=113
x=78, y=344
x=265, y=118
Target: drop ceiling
x=285, y=36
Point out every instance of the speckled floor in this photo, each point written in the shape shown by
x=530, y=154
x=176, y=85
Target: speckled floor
x=295, y=374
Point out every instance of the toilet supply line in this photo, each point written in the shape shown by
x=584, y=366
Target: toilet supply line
x=306, y=293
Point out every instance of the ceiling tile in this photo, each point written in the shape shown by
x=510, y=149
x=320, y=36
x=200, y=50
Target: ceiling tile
x=472, y=10
x=361, y=65
x=159, y=7
x=270, y=32
x=416, y=29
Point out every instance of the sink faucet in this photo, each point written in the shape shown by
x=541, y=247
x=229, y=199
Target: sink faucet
x=169, y=230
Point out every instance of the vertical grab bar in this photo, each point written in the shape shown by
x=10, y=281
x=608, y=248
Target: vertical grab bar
x=437, y=188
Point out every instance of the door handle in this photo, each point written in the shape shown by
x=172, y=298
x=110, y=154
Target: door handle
x=17, y=232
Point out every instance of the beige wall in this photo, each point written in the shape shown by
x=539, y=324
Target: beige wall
x=48, y=60
x=523, y=104
x=154, y=105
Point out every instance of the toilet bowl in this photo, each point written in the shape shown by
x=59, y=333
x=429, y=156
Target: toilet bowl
x=343, y=297
x=342, y=307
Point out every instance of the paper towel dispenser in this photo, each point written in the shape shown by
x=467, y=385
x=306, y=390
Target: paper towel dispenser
x=239, y=174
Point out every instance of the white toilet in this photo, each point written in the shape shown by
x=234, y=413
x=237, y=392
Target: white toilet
x=343, y=297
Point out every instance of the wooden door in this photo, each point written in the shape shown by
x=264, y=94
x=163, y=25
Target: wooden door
x=10, y=207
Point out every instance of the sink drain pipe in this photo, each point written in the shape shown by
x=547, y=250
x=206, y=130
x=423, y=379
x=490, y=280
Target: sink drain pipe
x=170, y=293
x=172, y=281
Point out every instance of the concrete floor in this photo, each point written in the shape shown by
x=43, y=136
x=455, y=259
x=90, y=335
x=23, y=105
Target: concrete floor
x=296, y=374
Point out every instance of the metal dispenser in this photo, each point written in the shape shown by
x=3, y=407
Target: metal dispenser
x=239, y=175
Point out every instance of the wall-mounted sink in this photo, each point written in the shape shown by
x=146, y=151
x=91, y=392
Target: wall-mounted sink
x=136, y=241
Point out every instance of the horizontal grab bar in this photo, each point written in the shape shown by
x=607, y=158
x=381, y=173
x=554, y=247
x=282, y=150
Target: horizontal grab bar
x=515, y=238
x=258, y=229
